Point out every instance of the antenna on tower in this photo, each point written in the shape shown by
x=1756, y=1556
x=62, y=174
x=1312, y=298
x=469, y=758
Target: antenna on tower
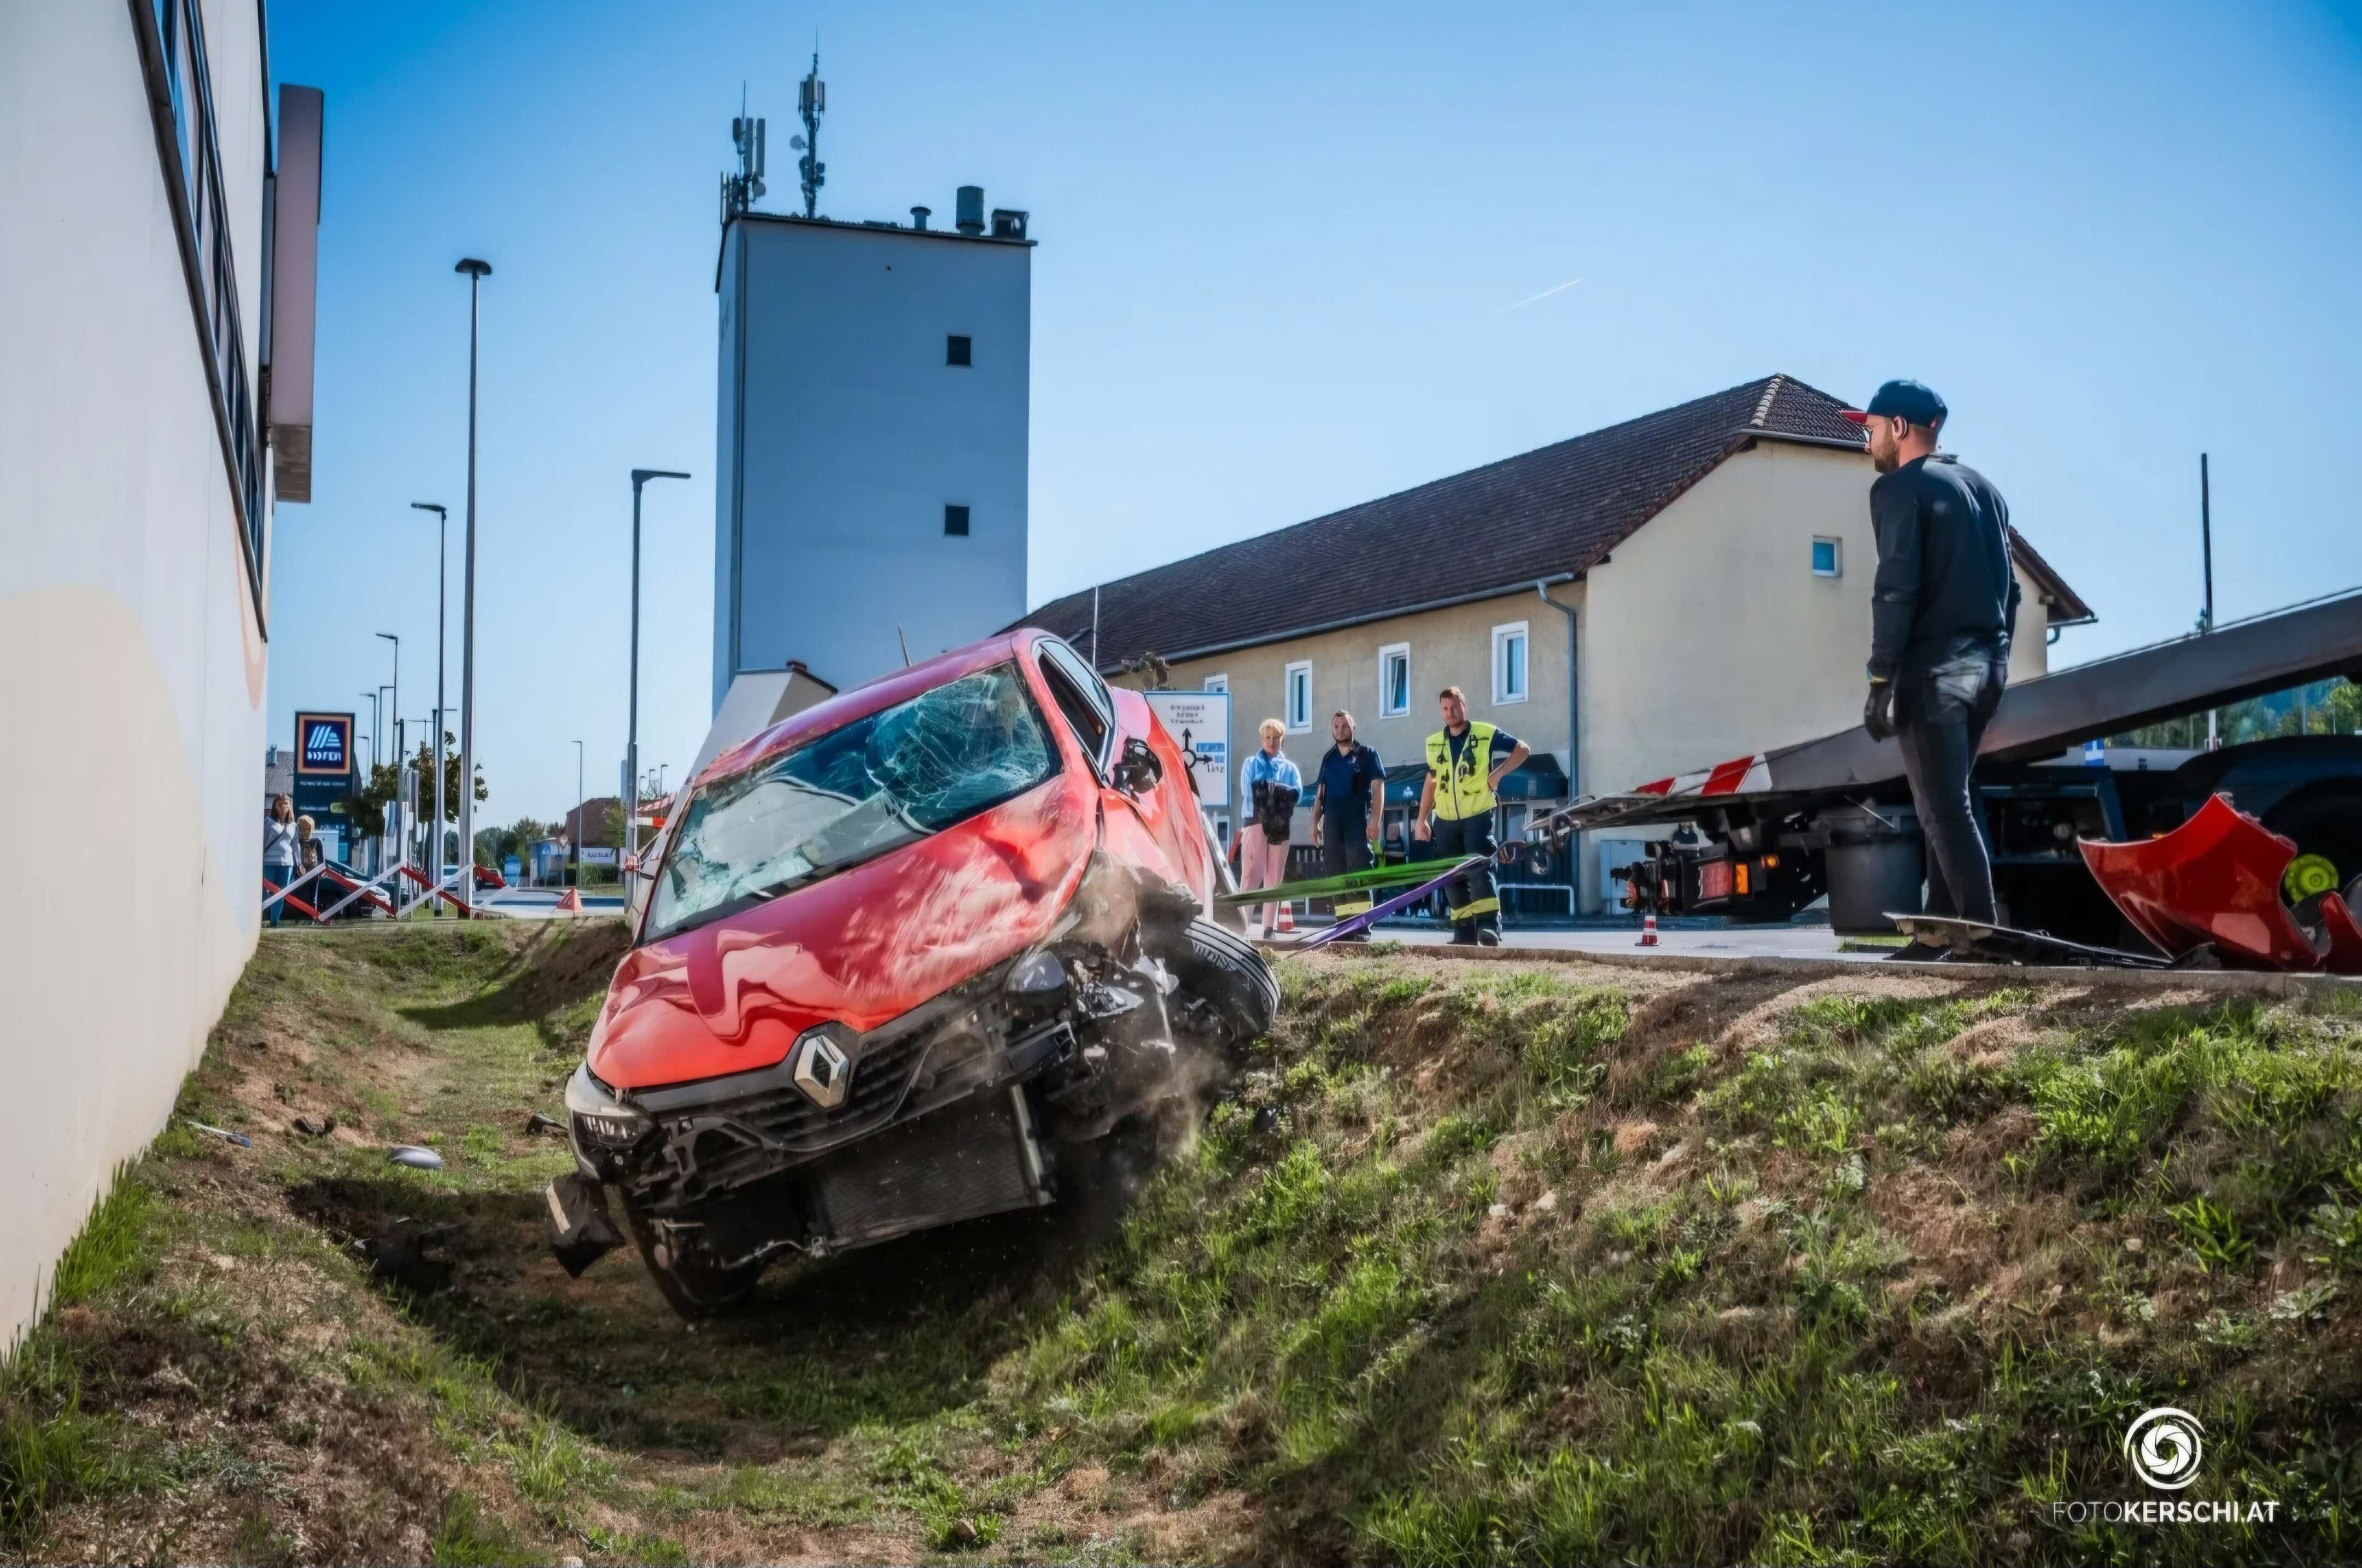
x=812, y=102
x=743, y=189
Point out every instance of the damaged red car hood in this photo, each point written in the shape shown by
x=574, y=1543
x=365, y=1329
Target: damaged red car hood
x=863, y=947
x=2216, y=878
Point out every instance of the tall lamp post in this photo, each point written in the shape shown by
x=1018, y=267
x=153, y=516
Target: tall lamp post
x=371, y=699
x=392, y=750
x=402, y=844
x=477, y=272
x=441, y=577
x=574, y=833
x=631, y=736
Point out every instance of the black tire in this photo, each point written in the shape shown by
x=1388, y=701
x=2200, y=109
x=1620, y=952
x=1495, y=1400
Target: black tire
x=1229, y=972
x=694, y=1290
x=2323, y=819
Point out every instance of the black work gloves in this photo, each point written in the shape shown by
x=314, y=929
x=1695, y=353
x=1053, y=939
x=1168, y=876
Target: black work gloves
x=1878, y=713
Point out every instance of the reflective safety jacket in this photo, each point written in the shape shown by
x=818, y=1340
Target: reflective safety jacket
x=1464, y=790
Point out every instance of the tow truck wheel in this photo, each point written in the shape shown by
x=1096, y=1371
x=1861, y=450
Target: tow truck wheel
x=694, y=1289
x=2325, y=821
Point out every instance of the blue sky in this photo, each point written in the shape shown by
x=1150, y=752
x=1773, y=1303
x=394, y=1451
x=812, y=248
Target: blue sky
x=1282, y=251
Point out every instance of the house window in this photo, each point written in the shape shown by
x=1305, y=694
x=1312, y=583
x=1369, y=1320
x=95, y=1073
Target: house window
x=956, y=520
x=1218, y=683
x=1296, y=687
x=1394, y=680
x=1509, y=663
x=956, y=350
x=1829, y=559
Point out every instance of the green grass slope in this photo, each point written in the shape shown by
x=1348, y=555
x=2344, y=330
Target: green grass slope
x=1474, y=1262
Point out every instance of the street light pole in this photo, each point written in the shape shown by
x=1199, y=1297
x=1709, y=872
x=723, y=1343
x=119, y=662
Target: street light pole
x=441, y=577
x=477, y=272
x=402, y=846
x=371, y=699
x=632, y=736
x=574, y=835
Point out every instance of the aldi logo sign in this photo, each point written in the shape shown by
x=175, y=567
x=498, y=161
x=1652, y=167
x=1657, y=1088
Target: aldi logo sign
x=323, y=744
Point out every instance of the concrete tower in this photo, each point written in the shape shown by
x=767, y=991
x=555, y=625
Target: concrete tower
x=872, y=446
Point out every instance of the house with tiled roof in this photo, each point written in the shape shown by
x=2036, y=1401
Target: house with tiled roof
x=1689, y=585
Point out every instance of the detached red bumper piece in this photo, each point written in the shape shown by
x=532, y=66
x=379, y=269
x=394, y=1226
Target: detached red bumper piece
x=2216, y=878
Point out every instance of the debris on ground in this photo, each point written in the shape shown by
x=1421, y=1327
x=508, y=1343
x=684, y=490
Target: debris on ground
x=415, y=1157
x=412, y=1255
x=539, y=1122
x=310, y=1129
x=225, y=1134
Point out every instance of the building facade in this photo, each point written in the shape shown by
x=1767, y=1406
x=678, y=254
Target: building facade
x=1660, y=595
x=136, y=155
x=872, y=447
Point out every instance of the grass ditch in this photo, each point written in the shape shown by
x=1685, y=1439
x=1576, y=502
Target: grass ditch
x=1471, y=1263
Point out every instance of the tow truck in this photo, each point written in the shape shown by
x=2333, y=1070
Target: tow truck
x=1758, y=838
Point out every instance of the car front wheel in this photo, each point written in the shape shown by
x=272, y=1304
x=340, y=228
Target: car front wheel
x=695, y=1285
x=1228, y=971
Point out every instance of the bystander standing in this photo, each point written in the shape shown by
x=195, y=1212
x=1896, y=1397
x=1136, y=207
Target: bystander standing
x=1269, y=787
x=1348, y=808
x=279, y=854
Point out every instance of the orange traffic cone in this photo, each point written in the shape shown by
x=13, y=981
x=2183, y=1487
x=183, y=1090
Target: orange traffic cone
x=1287, y=926
x=571, y=902
x=1648, y=931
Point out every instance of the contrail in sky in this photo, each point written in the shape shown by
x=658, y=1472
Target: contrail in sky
x=1543, y=295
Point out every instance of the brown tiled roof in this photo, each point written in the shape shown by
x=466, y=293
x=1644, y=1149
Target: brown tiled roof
x=1548, y=513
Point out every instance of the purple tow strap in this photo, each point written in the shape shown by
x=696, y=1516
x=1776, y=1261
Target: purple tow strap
x=1376, y=913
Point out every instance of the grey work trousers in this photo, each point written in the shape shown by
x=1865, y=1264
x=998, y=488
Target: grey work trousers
x=1941, y=712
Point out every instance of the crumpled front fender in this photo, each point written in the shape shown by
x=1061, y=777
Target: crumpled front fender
x=2216, y=878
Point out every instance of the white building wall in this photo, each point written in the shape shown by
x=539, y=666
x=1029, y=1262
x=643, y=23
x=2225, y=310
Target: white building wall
x=135, y=656
x=829, y=532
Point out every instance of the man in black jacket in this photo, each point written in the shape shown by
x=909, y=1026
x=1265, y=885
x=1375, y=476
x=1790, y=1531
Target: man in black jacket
x=1942, y=611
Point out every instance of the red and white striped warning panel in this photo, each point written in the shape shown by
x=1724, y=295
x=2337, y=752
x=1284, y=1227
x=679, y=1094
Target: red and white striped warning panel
x=1740, y=776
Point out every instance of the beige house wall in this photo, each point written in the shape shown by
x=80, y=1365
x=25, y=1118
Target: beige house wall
x=1448, y=647
x=1710, y=635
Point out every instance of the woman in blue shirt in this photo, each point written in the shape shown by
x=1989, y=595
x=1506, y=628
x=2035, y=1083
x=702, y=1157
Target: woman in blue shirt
x=1269, y=787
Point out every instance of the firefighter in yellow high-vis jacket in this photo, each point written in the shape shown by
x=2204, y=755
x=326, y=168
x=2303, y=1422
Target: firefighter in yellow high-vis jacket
x=1465, y=764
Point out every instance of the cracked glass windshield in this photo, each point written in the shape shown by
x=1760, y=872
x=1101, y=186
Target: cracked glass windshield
x=852, y=794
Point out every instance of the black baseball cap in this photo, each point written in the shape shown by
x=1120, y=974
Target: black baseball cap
x=1906, y=400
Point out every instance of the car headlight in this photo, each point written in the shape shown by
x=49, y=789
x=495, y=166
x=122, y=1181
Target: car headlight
x=598, y=1119
x=1037, y=977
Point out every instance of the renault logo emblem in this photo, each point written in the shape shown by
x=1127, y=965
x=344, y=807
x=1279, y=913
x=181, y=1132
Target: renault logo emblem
x=822, y=1071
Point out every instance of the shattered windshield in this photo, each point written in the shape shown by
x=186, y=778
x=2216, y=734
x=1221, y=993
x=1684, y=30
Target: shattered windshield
x=852, y=794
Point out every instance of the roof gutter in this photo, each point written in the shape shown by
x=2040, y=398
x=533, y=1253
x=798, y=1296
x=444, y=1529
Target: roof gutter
x=1263, y=639
x=1573, y=736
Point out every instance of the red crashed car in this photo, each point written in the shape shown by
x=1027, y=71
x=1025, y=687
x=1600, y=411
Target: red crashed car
x=899, y=955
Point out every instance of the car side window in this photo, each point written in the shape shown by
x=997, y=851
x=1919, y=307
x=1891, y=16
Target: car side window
x=1092, y=717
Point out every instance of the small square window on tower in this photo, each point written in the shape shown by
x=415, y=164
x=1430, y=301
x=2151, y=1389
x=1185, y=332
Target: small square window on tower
x=956, y=520
x=956, y=350
x=1827, y=560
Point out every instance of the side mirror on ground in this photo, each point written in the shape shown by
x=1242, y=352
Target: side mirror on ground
x=1138, y=771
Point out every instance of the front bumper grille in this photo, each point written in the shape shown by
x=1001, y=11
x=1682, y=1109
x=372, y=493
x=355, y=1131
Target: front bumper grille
x=721, y=1133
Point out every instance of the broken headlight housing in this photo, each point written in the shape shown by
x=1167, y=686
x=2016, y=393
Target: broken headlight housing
x=599, y=1123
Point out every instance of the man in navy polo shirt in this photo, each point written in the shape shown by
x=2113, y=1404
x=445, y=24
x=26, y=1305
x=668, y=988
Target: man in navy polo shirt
x=1348, y=808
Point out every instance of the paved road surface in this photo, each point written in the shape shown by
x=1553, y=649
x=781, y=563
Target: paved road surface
x=1726, y=941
